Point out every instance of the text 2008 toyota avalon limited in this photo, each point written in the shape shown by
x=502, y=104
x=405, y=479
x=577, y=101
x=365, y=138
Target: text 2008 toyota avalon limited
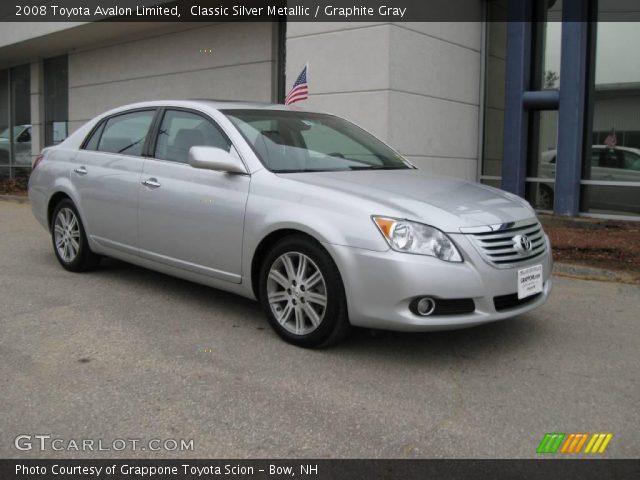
x=326, y=225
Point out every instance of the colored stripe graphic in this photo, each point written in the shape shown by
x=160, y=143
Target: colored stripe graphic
x=550, y=442
x=574, y=442
x=598, y=443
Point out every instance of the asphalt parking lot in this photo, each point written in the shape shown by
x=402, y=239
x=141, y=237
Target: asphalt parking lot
x=123, y=352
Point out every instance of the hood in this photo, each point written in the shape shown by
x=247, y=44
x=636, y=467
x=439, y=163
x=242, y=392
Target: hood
x=445, y=202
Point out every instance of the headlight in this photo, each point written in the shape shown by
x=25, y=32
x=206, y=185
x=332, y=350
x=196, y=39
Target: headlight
x=412, y=237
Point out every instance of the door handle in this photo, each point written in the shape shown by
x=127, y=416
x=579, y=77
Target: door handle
x=81, y=170
x=151, y=183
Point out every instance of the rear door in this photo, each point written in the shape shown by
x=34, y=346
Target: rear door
x=107, y=178
x=191, y=218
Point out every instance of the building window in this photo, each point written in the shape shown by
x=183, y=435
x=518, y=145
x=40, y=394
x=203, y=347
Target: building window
x=5, y=132
x=543, y=125
x=15, y=122
x=496, y=48
x=56, y=100
x=611, y=165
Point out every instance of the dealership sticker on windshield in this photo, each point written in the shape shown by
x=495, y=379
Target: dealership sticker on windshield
x=529, y=281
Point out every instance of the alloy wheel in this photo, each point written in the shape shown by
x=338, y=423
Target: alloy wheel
x=297, y=293
x=66, y=234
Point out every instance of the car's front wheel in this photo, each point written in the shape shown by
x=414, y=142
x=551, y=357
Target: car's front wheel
x=70, y=240
x=302, y=294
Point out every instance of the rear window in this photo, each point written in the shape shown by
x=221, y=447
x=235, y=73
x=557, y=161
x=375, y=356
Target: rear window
x=125, y=133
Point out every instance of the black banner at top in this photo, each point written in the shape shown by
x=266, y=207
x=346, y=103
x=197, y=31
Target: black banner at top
x=301, y=10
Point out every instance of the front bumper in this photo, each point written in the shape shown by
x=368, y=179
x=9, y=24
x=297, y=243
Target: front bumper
x=381, y=285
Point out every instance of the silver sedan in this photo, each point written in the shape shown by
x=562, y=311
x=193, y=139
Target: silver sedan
x=317, y=219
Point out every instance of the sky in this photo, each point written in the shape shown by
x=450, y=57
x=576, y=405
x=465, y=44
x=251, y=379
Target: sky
x=617, y=51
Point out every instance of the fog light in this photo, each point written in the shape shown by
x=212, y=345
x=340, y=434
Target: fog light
x=425, y=306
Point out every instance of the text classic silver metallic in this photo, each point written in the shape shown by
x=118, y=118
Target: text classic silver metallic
x=324, y=224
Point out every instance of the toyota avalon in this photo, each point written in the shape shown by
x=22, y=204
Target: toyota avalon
x=321, y=222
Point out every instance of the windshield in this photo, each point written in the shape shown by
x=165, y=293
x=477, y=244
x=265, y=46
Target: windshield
x=17, y=130
x=289, y=142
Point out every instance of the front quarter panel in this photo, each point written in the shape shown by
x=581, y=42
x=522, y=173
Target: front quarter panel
x=276, y=203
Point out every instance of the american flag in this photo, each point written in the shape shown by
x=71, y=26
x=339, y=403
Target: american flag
x=611, y=139
x=300, y=90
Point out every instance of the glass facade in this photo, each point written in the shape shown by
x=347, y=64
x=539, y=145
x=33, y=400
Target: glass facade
x=5, y=138
x=611, y=168
x=495, y=63
x=56, y=100
x=610, y=180
x=16, y=131
x=15, y=122
x=543, y=124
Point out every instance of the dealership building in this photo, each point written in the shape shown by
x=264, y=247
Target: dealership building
x=549, y=110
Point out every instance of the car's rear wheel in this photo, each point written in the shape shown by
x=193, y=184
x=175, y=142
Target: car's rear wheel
x=70, y=240
x=545, y=198
x=302, y=294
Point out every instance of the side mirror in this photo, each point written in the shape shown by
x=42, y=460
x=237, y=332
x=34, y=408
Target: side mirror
x=213, y=158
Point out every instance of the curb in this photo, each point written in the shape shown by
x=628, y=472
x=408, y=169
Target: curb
x=584, y=272
x=15, y=198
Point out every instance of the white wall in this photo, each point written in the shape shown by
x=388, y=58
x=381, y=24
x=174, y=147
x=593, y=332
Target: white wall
x=415, y=85
x=348, y=69
x=172, y=65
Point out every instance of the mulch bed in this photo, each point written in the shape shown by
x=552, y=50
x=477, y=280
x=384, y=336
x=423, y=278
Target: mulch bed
x=13, y=186
x=609, y=244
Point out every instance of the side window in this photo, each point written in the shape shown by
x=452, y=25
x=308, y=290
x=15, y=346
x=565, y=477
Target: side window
x=180, y=130
x=126, y=133
x=608, y=158
x=631, y=161
x=25, y=136
x=92, y=142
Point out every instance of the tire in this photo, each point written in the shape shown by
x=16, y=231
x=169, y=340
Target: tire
x=291, y=298
x=70, y=239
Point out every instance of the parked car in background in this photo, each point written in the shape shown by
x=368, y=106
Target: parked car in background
x=619, y=164
x=21, y=144
x=320, y=221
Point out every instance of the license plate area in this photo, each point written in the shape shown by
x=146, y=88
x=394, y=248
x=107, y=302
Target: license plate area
x=529, y=281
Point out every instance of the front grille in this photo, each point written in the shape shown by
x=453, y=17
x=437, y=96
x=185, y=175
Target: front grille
x=454, y=306
x=505, y=302
x=497, y=244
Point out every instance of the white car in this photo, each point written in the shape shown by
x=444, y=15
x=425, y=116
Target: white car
x=621, y=164
x=21, y=146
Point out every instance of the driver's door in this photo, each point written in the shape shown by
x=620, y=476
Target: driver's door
x=191, y=218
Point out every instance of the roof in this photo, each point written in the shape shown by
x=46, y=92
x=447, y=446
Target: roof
x=239, y=104
x=210, y=103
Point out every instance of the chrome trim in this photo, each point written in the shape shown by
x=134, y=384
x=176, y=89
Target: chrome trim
x=495, y=243
x=610, y=183
x=498, y=226
x=540, y=180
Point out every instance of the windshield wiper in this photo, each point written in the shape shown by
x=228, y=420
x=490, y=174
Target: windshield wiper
x=132, y=144
x=306, y=170
x=378, y=167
